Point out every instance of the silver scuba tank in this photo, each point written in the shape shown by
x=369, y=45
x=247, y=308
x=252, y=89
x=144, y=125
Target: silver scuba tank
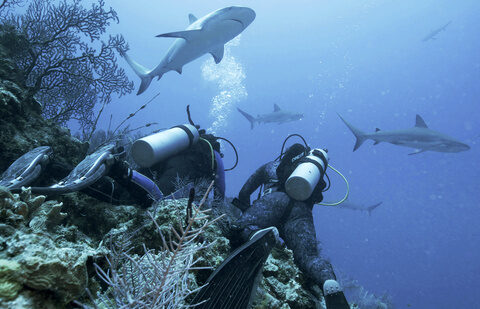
x=301, y=183
x=151, y=149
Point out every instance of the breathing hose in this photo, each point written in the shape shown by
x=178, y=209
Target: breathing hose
x=234, y=149
x=211, y=152
x=346, y=194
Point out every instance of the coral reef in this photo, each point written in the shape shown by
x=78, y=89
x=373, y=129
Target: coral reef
x=57, y=47
x=10, y=283
x=35, y=254
x=283, y=285
x=45, y=257
x=48, y=248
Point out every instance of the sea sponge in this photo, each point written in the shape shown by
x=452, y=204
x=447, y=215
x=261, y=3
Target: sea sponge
x=10, y=283
x=57, y=266
x=47, y=216
x=16, y=209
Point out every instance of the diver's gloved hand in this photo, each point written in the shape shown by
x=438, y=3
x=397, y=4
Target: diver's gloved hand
x=333, y=294
x=120, y=170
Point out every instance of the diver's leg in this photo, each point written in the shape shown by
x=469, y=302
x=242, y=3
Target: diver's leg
x=298, y=233
x=267, y=211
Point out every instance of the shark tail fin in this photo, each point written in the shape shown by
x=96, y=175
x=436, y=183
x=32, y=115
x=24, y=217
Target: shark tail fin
x=361, y=136
x=141, y=71
x=248, y=116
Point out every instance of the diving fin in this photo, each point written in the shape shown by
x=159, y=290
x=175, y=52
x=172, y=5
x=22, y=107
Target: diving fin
x=334, y=297
x=25, y=169
x=232, y=284
x=86, y=173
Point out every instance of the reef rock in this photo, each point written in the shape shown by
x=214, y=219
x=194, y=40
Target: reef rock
x=35, y=255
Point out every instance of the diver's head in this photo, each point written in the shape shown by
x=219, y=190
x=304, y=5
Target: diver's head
x=288, y=161
x=300, y=172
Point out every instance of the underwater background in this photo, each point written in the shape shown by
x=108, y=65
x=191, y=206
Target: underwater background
x=366, y=61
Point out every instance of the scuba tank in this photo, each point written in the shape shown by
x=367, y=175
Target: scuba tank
x=156, y=147
x=309, y=171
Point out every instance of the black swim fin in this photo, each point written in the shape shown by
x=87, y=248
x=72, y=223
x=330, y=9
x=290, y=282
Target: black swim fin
x=86, y=173
x=334, y=297
x=26, y=169
x=232, y=284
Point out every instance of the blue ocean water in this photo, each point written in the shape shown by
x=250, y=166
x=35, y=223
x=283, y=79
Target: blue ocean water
x=365, y=60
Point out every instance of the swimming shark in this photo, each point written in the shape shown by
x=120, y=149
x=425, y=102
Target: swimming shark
x=204, y=35
x=353, y=206
x=278, y=115
x=432, y=35
x=419, y=137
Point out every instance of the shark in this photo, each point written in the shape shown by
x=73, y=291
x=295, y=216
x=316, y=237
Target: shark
x=353, y=206
x=208, y=34
x=278, y=115
x=420, y=137
x=432, y=35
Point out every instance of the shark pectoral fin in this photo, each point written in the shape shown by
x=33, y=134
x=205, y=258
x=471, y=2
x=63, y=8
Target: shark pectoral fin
x=179, y=70
x=371, y=208
x=192, y=18
x=187, y=34
x=217, y=54
x=417, y=152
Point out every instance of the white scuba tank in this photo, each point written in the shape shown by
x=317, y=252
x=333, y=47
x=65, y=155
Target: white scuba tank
x=305, y=177
x=151, y=149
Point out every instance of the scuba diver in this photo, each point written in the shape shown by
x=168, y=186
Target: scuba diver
x=292, y=184
x=183, y=151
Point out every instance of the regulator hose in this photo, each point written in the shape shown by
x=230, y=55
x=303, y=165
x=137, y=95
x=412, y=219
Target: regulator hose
x=346, y=194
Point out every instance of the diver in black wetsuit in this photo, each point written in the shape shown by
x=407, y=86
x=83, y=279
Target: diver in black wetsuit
x=201, y=160
x=293, y=218
x=183, y=151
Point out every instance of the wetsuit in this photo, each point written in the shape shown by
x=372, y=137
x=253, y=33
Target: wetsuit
x=191, y=164
x=293, y=219
x=109, y=178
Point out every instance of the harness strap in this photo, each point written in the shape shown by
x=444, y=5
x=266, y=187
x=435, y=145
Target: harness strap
x=321, y=168
x=190, y=135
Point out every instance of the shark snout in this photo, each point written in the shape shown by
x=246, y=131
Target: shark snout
x=463, y=147
x=242, y=14
x=455, y=147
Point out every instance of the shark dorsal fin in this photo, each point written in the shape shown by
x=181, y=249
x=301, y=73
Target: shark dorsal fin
x=192, y=18
x=377, y=129
x=276, y=108
x=420, y=123
x=187, y=34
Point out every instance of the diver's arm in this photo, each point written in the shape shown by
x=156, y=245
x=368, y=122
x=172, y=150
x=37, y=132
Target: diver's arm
x=253, y=182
